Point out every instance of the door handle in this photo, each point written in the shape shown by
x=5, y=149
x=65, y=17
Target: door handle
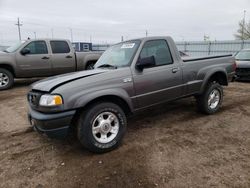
x=68, y=56
x=175, y=70
x=45, y=57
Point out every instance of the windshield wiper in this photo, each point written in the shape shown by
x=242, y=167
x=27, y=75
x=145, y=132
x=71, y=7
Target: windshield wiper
x=107, y=65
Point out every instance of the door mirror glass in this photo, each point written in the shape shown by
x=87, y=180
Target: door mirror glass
x=25, y=51
x=145, y=62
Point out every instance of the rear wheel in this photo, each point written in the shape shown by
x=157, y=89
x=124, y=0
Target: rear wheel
x=6, y=79
x=210, y=101
x=101, y=127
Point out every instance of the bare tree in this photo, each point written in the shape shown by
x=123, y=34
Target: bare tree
x=243, y=33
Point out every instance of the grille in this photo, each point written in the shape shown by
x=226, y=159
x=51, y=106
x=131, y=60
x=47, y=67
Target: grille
x=245, y=71
x=33, y=98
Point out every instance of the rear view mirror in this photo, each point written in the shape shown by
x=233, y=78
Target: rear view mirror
x=25, y=51
x=145, y=62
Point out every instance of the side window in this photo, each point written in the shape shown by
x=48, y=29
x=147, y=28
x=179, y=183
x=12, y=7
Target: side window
x=159, y=49
x=37, y=47
x=59, y=47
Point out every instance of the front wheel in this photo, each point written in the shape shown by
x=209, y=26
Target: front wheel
x=6, y=79
x=101, y=127
x=210, y=101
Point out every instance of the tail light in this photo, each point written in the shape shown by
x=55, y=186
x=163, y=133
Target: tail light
x=234, y=66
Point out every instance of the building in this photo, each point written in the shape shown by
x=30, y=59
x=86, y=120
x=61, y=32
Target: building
x=82, y=46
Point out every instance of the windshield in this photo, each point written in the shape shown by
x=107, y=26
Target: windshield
x=119, y=55
x=14, y=47
x=243, y=55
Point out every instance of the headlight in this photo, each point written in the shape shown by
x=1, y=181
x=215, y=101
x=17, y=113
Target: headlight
x=50, y=100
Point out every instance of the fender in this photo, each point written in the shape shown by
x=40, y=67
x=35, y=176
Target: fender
x=9, y=67
x=90, y=57
x=209, y=74
x=91, y=96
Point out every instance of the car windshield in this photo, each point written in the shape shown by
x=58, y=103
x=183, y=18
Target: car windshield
x=243, y=55
x=14, y=47
x=119, y=55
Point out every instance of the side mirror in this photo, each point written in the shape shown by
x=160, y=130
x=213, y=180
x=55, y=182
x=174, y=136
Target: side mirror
x=25, y=51
x=145, y=62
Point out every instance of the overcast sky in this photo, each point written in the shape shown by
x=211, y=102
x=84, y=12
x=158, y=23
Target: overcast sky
x=108, y=20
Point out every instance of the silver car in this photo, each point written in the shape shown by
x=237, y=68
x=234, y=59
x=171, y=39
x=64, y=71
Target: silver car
x=243, y=64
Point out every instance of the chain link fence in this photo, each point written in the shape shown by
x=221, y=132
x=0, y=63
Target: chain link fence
x=100, y=47
x=195, y=48
x=206, y=48
x=202, y=48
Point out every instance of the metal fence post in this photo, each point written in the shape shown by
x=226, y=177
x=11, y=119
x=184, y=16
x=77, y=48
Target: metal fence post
x=242, y=44
x=209, y=48
x=185, y=46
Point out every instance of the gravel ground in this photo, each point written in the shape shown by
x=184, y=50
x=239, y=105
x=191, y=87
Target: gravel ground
x=172, y=145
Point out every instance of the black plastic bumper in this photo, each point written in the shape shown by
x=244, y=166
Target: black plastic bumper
x=243, y=73
x=54, y=125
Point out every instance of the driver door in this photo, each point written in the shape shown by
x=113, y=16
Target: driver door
x=36, y=62
x=161, y=82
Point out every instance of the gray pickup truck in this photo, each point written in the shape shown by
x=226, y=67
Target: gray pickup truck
x=129, y=77
x=40, y=58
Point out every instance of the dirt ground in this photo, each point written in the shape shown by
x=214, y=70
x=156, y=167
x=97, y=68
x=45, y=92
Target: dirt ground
x=170, y=146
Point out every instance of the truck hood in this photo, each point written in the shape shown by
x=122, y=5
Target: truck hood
x=5, y=57
x=51, y=83
x=243, y=64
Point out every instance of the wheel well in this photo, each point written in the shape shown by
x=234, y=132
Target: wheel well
x=89, y=62
x=9, y=68
x=219, y=77
x=110, y=98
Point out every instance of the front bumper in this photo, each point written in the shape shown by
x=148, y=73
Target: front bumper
x=231, y=76
x=54, y=125
x=242, y=73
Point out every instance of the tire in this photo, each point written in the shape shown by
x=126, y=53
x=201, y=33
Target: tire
x=214, y=91
x=90, y=66
x=6, y=79
x=93, y=124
